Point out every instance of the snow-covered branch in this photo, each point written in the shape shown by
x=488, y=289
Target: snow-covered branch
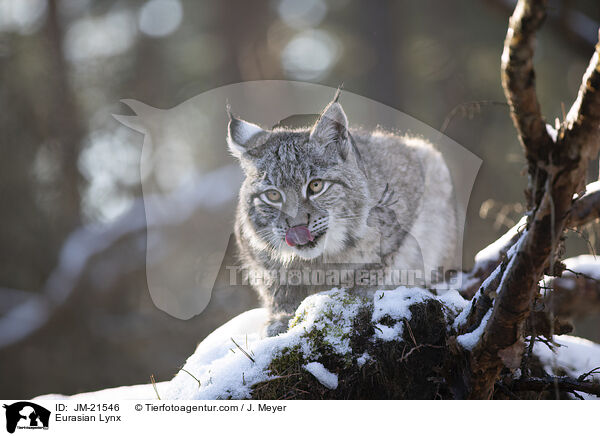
x=586, y=208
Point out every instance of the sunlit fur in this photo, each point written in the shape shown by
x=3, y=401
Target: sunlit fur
x=360, y=167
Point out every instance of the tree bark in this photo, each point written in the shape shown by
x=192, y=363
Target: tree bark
x=557, y=170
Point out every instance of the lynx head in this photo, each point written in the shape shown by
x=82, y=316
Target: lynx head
x=305, y=192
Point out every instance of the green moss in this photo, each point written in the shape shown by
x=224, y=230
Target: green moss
x=288, y=360
x=298, y=318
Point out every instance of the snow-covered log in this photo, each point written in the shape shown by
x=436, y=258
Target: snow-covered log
x=398, y=344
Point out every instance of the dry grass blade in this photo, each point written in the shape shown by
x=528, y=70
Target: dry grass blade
x=243, y=351
x=192, y=375
x=154, y=386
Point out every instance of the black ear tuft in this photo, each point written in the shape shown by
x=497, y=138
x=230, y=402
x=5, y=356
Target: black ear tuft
x=338, y=93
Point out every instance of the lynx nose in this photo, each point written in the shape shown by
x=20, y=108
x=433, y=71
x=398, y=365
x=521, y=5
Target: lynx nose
x=301, y=219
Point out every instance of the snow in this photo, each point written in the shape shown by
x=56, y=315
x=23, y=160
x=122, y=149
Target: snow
x=512, y=254
x=585, y=264
x=246, y=326
x=552, y=132
x=574, y=111
x=469, y=340
x=216, y=345
x=592, y=187
x=224, y=371
x=363, y=359
x=135, y=392
x=226, y=374
x=333, y=312
x=453, y=300
x=548, y=281
x=218, y=363
x=575, y=356
x=492, y=252
x=396, y=304
x=326, y=378
x=386, y=333
x=461, y=319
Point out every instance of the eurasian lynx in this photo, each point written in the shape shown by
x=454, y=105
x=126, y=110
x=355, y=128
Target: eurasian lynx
x=329, y=199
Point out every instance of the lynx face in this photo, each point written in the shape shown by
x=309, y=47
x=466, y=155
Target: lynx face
x=305, y=191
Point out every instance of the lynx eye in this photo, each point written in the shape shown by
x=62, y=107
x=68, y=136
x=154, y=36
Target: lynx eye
x=315, y=186
x=271, y=196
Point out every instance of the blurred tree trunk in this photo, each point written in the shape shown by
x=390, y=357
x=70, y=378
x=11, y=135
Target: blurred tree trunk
x=380, y=24
x=40, y=123
x=62, y=121
x=244, y=26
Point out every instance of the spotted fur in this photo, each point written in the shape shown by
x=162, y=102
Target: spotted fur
x=389, y=202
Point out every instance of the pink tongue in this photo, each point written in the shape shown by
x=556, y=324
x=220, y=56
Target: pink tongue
x=298, y=235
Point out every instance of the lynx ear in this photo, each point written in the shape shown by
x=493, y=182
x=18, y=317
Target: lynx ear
x=239, y=134
x=332, y=126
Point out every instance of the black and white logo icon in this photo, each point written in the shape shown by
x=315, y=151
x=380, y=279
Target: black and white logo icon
x=26, y=415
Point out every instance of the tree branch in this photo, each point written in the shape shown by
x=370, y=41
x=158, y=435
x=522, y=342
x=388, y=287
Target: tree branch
x=548, y=383
x=518, y=78
x=557, y=171
x=587, y=207
x=583, y=119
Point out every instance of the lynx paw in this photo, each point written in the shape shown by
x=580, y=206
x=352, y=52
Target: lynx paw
x=278, y=323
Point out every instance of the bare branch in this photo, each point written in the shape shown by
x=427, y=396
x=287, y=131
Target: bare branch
x=518, y=78
x=583, y=120
x=548, y=383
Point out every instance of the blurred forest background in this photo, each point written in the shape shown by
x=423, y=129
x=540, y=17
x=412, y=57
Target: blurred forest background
x=70, y=173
